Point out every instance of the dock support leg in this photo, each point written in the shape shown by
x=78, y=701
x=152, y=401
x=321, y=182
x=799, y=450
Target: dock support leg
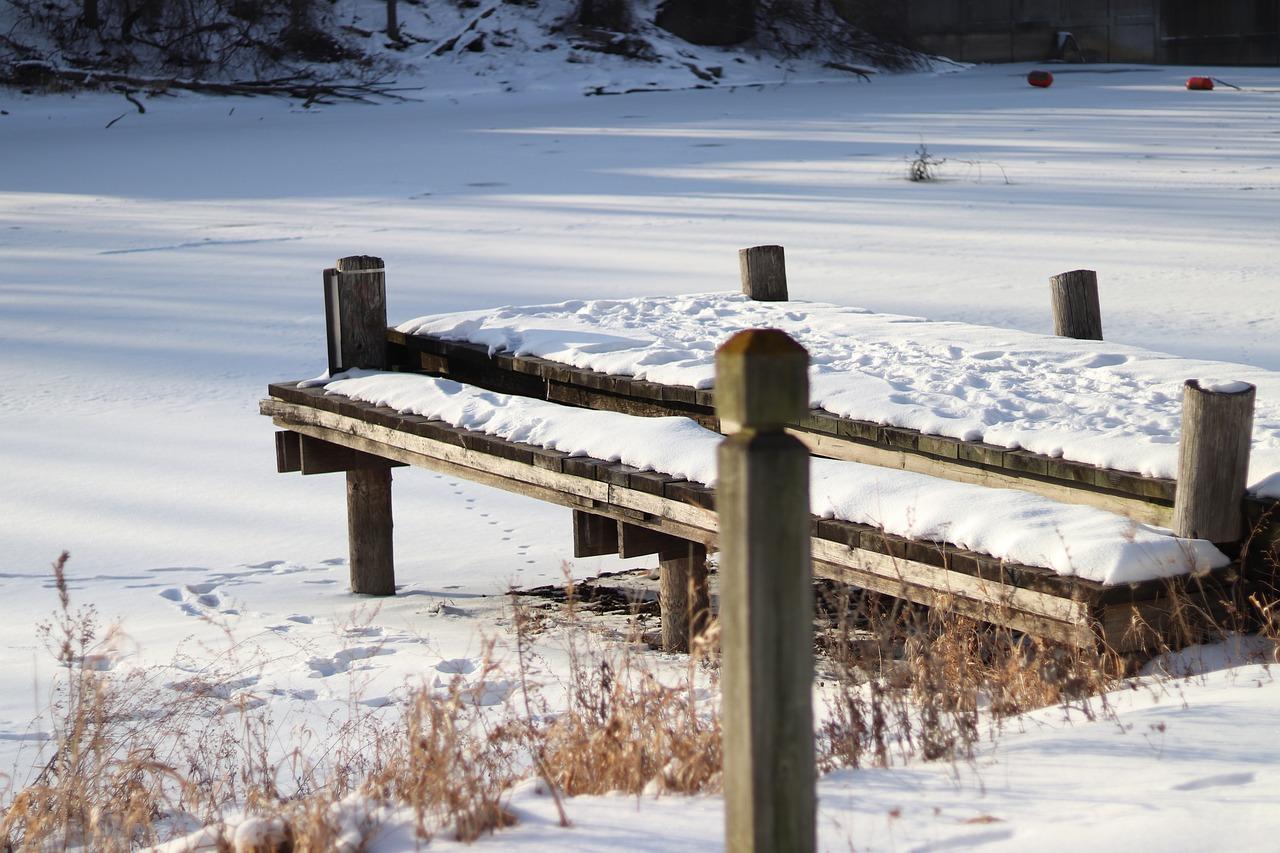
x=683, y=595
x=369, y=531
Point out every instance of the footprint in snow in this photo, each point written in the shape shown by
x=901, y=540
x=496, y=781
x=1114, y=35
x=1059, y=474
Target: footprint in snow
x=300, y=618
x=343, y=660
x=487, y=693
x=456, y=666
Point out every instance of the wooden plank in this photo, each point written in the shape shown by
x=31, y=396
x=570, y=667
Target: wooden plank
x=460, y=456
x=832, y=447
x=1056, y=478
x=324, y=457
x=515, y=486
x=896, y=569
x=636, y=541
x=593, y=535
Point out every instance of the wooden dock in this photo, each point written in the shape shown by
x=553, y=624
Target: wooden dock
x=617, y=509
x=1031, y=599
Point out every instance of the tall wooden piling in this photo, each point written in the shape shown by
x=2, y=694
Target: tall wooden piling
x=1076, y=310
x=764, y=273
x=355, y=297
x=1213, y=461
x=766, y=595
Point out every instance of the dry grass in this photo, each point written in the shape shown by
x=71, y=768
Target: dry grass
x=135, y=761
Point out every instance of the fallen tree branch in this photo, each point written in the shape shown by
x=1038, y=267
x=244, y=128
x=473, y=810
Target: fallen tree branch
x=305, y=89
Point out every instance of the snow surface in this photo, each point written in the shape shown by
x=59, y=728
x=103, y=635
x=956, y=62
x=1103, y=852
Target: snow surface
x=156, y=274
x=1005, y=523
x=1106, y=404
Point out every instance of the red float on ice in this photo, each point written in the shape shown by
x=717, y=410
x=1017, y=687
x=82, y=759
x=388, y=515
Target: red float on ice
x=1040, y=79
x=1201, y=84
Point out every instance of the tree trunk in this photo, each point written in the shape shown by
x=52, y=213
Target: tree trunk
x=393, y=25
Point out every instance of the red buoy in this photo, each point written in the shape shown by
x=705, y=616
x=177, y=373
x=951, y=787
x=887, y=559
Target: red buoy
x=1200, y=84
x=1040, y=79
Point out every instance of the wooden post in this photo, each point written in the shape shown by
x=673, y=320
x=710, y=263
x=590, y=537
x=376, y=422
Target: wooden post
x=766, y=595
x=764, y=273
x=1213, y=461
x=369, y=531
x=1076, y=312
x=683, y=595
x=355, y=298
x=355, y=302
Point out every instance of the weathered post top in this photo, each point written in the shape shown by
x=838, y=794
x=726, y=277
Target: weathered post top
x=764, y=273
x=1213, y=460
x=1077, y=312
x=762, y=381
x=355, y=300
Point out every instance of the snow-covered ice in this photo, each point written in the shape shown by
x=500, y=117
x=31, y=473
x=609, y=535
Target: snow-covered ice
x=154, y=276
x=1017, y=526
x=1106, y=404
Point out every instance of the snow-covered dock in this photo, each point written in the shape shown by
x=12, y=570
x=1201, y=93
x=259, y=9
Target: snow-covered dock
x=1080, y=421
x=1030, y=596
x=604, y=408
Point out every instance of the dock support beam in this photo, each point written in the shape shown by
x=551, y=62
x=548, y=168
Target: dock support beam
x=766, y=595
x=355, y=300
x=682, y=594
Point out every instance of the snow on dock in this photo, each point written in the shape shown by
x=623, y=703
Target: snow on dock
x=1008, y=524
x=1095, y=402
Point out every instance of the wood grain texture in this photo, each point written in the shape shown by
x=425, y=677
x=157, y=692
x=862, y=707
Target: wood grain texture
x=1076, y=310
x=1213, y=463
x=593, y=535
x=635, y=541
x=288, y=452
x=369, y=531
x=825, y=433
x=325, y=457
x=356, y=309
x=764, y=273
x=1143, y=509
x=766, y=596
x=1026, y=598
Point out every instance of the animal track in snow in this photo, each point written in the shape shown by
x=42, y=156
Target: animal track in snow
x=343, y=660
x=456, y=666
